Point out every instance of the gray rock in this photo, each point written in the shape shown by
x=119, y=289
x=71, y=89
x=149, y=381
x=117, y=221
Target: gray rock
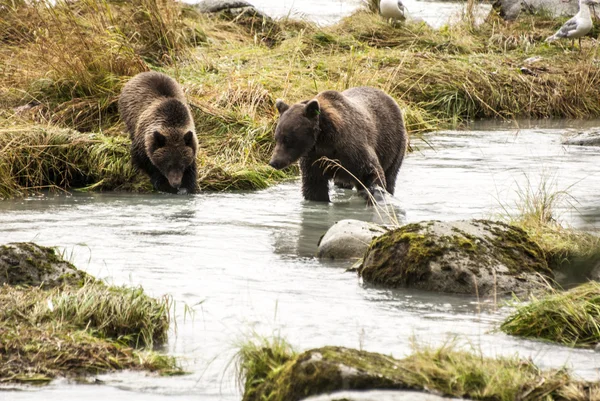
x=466, y=257
x=587, y=138
x=348, y=239
x=511, y=9
x=379, y=395
x=28, y=264
x=214, y=6
x=232, y=7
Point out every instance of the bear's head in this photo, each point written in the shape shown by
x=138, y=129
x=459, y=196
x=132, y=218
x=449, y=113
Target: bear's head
x=171, y=142
x=296, y=132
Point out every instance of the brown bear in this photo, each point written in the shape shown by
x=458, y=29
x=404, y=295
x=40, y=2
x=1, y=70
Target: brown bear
x=163, y=138
x=361, y=128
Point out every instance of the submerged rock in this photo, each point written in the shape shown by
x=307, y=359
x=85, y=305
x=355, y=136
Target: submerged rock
x=588, y=138
x=28, y=264
x=348, y=239
x=466, y=257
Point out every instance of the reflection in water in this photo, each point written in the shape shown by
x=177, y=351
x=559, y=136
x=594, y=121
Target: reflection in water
x=245, y=261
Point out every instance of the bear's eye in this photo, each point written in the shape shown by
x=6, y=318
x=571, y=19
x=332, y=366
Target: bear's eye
x=286, y=141
x=159, y=139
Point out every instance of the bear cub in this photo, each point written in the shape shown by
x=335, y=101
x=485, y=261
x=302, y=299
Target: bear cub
x=361, y=128
x=163, y=137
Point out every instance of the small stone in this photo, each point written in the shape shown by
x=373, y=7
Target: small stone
x=348, y=239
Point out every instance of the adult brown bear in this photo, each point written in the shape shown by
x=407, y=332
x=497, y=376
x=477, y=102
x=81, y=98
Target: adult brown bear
x=362, y=128
x=163, y=137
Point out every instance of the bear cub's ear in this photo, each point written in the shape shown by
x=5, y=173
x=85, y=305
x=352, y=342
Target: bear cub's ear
x=312, y=109
x=189, y=138
x=281, y=106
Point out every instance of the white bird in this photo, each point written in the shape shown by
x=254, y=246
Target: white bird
x=578, y=26
x=392, y=9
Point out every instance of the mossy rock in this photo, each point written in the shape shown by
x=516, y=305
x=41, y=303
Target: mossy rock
x=381, y=395
x=445, y=371
x=466, y=257
x=28, y=264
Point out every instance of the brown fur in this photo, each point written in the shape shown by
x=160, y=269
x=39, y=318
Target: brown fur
x=362, y=128
x=163, y=138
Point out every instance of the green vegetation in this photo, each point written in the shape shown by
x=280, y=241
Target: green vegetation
x=72, y=324
x=64, y=66
x=447, y=370
x=571, y=318
x=258, y=358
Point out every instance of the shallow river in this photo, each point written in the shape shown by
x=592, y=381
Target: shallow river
x=244, y=261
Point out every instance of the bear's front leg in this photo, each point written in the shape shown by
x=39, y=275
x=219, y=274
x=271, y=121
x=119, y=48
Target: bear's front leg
x=190, y=179
x=373, y=178
x=315, y=185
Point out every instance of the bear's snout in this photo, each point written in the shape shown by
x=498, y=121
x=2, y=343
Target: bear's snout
x=277, y=164
x=175, y=178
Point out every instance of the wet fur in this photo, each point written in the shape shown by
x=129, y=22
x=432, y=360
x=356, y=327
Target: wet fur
x=152, y=101
x=363, y=129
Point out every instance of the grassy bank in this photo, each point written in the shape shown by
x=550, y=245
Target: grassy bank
x=88, y=330
x=570, y=318
x=59, y=321
x=446, y=370
x=64, y=66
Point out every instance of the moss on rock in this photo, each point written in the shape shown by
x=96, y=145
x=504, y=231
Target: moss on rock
x=28, y=264
x=467, y=257
x=446, y=370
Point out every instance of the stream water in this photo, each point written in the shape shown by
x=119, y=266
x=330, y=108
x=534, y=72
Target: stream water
x=244, y=260
x=434, y=13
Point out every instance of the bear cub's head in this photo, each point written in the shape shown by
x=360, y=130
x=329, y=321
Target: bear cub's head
x=171, y=141
x=296, y=132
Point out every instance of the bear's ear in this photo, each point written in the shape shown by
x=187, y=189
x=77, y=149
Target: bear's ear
x=189, y=138
x=312, y=109
x=281, y=106
x=159, y=139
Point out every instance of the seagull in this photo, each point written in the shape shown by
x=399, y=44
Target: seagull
x=392, y=9
x=578, y=26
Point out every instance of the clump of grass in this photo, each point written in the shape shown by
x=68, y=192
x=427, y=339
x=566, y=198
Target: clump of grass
x=537, y=213
x=72, y=331
x=571, y=318
x=259, y=358
x=446, y=370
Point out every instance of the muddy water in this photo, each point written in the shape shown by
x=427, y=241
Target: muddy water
x=244, y=261
x=434, y=13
